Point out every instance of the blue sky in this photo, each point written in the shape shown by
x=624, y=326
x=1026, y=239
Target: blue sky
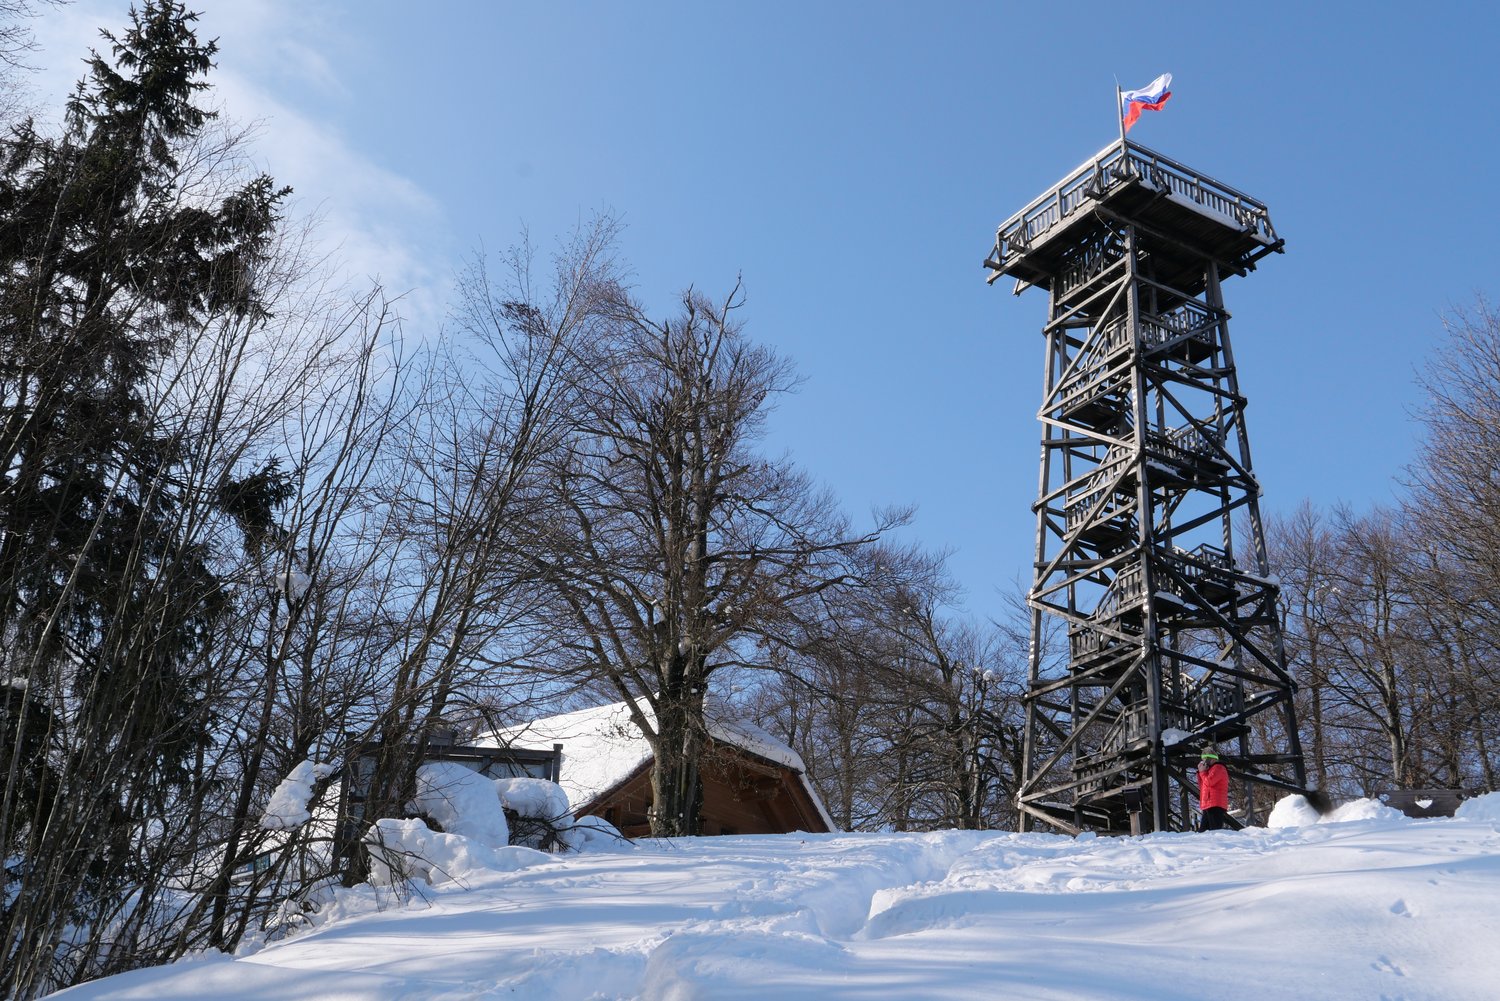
x=851, y=162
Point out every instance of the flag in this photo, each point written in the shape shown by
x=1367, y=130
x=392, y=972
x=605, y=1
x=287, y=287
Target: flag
x=1149, y=98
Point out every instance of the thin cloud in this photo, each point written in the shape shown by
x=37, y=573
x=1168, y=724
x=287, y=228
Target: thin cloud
x=372, y=223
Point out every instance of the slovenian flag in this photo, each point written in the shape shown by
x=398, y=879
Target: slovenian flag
x=1150, y=98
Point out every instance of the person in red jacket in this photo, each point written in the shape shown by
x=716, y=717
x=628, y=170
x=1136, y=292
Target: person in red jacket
x=1213, y=794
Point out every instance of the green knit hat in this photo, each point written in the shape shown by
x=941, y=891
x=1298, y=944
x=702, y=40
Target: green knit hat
x=1209, y=756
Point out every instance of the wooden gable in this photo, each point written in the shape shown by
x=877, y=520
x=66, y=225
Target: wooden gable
x=743, y=793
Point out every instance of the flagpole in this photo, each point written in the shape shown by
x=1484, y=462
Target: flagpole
x=1120, y=117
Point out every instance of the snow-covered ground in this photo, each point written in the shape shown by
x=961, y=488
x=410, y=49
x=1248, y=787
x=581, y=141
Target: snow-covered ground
x=1375, y=906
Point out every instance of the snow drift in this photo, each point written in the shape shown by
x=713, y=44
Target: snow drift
x=1357, y=908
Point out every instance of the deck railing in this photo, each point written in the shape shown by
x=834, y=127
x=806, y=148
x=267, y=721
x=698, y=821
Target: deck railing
x=1098, y=489
x=1115, y=165
x=1114, y=337
x=1085, y=643
x=1185, y=444
x=1201, y=565
x=1213, y=701
x=1188, y=321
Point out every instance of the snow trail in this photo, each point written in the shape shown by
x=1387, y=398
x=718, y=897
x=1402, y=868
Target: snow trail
x=1364, y=909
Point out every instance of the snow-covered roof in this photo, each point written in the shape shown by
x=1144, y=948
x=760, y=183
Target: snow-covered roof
x=602, y=747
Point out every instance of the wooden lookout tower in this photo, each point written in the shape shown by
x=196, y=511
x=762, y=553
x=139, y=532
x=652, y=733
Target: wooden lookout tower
x=1155, y=631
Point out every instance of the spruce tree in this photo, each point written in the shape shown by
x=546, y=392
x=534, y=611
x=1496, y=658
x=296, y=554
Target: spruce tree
x=109, y=258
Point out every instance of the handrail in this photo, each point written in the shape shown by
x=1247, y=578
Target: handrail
x=1203, y=562
x=1086, y=641
x=1119, y=163
x=1097, y=488
x=1215, y=700
x=1186, y=443
x=1189, y=321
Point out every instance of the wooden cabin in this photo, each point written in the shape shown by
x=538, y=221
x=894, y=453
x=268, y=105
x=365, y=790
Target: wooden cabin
x=752, y=783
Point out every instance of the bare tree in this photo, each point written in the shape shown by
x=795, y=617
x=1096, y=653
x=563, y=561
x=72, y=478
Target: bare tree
x=825, y=704
x=833, y=696
x=955, y=703
x=1456, y=478
x=669, y=543
x=496, y=405
x=1373, y=631
x=907, y=713
x=315, y=405
x=131, y=243
x=16, y=39
x=17, y=42
x=1303, y=549
x=1455, y=508
x=1396, y=676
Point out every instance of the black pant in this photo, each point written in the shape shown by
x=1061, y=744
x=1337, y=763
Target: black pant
x=1217, y=818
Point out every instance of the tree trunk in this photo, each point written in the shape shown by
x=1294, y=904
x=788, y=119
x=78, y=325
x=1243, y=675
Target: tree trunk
x=675, y=787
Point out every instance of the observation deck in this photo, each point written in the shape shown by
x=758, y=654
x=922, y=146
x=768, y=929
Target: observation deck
x=1196, y=217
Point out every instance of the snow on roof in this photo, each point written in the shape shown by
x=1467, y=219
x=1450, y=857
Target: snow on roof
x=602, y=747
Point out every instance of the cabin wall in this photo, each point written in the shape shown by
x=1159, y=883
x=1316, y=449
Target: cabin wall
x=740, y=796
